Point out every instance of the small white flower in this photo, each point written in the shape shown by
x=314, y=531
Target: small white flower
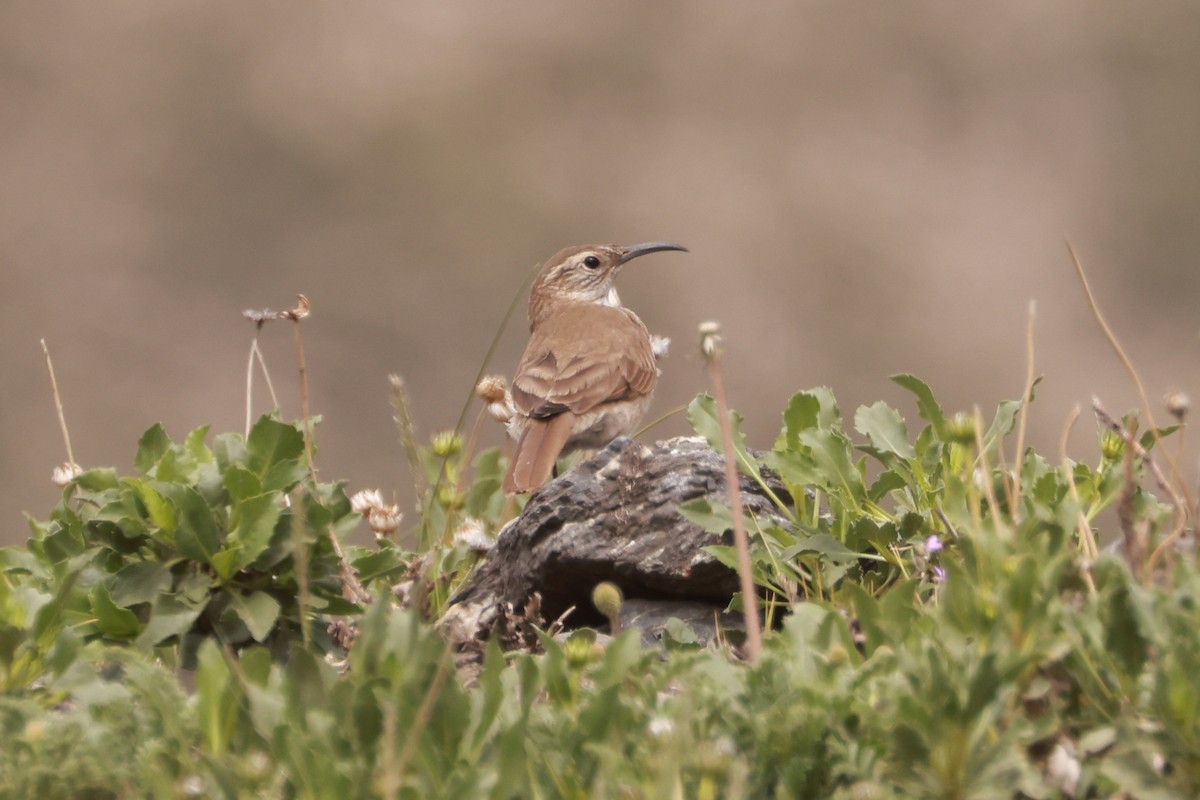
x=660, y=726
x=660, y=346
x=1063, y=770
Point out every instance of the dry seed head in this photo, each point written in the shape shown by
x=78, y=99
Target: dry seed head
x=710, y=339
x=65, y=473
x=1178, y=403
x=492, y=388
x=472, y=535
x=501, y=412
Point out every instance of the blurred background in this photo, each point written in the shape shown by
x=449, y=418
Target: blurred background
x=865, y=190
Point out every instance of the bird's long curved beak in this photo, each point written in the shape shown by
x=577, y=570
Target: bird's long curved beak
x=636, y=250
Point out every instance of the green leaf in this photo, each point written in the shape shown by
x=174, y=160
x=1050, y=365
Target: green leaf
x=140, y=582
x=252, y=522
x=112, y=620
x=259, y=611
x=1002, y=424
x=702, y=413
x=1149, y=438
x=927, y=405
x=169, y=617
x=230, y=449
x=160, y=511
x=815, y=408
x=195, y=447
x=712, y=517
x=885, y=428
x=823, y=544
x=97, y=480
x=275, y=453
x=241, y=483
x=217, y=699
x=197, y=534
x=831, y=453
x=151, y=447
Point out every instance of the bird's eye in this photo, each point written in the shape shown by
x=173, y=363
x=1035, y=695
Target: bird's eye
x=591, y=262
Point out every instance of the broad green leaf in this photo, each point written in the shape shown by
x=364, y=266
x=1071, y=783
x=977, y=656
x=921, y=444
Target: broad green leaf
x=1002, y=424
x=275, y=453
x=197, y=535
x=927, y=405
x=1148, y=439
x=160, y=511
x=217, y=699
x=831, y=453
x=168, y=617
x=258, y=610
x=815, y=408
x=702, y=413
x=195, y=447
x=151, y=447
x=113, y=621
x=712, y=517
x=98, y=480
x=252, y=522
x=140, y=582
x=229, y=449
x=241, y=483
x=885, y=428
x=822, y=544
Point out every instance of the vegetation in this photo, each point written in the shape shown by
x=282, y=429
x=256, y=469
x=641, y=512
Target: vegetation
x=939, y=623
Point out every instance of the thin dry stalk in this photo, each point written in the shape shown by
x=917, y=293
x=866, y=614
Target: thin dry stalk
x=1182, y=510
x=402, y=414
x=256, y=355
x=1135, y=549
x=1087, y=539
x=1164, y=548
x=421, y=718
x=58, y=406
x=988, y=490
x=1026, y=399
x=351, y=587
x=710, y=349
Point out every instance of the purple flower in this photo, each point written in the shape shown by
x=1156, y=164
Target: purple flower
x=933, y=544
x=939, y=574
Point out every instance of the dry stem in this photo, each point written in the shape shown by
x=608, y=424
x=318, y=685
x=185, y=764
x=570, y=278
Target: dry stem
x=710, y=349
x=62, y=418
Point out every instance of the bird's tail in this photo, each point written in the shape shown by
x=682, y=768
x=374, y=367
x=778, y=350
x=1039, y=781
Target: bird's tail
x=537, y=451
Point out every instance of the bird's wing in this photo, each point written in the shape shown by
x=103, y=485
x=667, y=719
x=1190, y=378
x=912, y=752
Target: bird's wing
x=597, y=355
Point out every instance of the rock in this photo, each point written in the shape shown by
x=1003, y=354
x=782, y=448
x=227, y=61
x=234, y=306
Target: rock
x=613, y=517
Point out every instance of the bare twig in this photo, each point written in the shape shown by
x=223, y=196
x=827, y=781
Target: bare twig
x=710, y=348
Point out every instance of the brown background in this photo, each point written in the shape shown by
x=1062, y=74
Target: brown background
x=866, y=189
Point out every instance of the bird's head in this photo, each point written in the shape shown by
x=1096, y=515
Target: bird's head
x=585, y=274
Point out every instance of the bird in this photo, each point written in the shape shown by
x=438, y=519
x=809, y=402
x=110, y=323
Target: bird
x=588, y=372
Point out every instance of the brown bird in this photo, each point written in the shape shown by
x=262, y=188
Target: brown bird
x=588, y=372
